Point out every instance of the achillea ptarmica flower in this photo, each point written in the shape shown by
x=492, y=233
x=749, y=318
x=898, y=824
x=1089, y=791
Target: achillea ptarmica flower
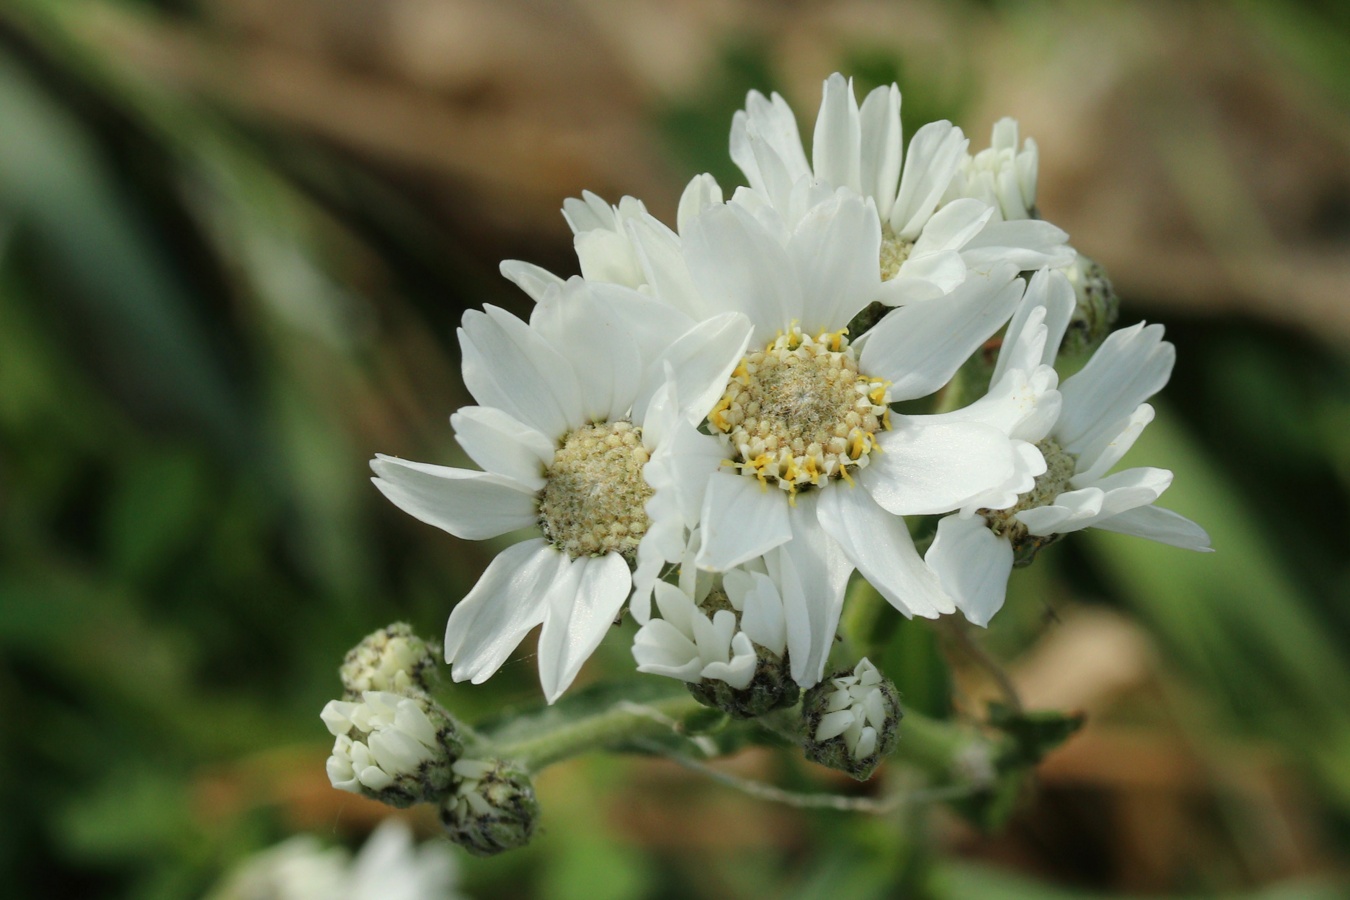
x=817, y=470
x=851, y=720
x=574, y=406
x=927, y=247
x=492, y=808
x=395, y=748
x=1099, y=415
x=392, y=659
x=730, y=647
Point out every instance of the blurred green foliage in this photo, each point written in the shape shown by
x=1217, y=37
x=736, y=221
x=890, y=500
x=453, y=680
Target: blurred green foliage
x=204, y=333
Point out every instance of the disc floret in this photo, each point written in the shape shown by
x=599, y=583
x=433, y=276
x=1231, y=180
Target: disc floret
x=1060, y=467
x=799, y=413
x=594, y=498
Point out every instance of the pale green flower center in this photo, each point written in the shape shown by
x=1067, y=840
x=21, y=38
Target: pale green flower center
x=894, y=252
x=1059, y=468
x=594, y=498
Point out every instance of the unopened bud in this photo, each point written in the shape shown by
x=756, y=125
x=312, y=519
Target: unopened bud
x=730, y=649
x=394, y=748
x=492, y=808
x=391, y=659
x=770, y=685
x=1096, y=310
x=851, y=720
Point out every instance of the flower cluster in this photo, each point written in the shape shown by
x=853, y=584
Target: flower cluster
x=709, y=416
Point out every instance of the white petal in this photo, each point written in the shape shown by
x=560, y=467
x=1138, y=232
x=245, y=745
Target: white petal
x=702, y=192
x=834, y=251
x=836, y=146
x=530, y=278
x=1131, y=365
x=879, y=544
x=509, y=600
x=937, y=467
x=593, y=336
x=740, y=267
x=581, y=610
x=919, y=347
x=973, y=565
x=1028, y=243
x=741, y=520
x=1037, y=327
x=700, y=362
x=662, y=258
x=812, y=573
x=1112, y=443
x=925, y=276
x=502, y=445
x=1160, y=525
x=660, y=649
x=511, y=367
x=762, y=617
x=881, y=147
x=934, y=153
x=468, y=504
x=588, y=213
x=952, y=226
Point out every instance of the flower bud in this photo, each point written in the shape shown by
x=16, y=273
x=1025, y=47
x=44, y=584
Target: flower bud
x=394, y=748
x=492, y=808
x=391, y=659
x=770, y=686
x=730, y=649
x=1096, y=310
x=851, y=720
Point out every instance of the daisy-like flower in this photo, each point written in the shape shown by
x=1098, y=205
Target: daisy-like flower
x=575, y=405
x=817, y=469
x=927, y=248
x=1082, y=430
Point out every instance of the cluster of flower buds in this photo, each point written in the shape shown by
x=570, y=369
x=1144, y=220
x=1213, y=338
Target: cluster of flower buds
x=394, y=743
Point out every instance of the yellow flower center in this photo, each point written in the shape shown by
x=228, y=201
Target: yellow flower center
x=799, y=413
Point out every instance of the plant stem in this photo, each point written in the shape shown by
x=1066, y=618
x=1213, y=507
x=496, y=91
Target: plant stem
x=620, y=723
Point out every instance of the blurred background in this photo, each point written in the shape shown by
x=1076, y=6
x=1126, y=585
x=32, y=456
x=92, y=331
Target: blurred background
x=236, y=237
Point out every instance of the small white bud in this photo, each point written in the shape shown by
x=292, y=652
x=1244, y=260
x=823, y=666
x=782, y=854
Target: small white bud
x=492, y=809
x=851, y=720
x=397, y=749
x=391, y=659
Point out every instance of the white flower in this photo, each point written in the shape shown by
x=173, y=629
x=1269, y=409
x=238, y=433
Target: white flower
x=927, y=248
x=857, y=710
x=389, y=746
x=688, y=644
x=818, y=469
x=1082, y=434
x=1001, y=175
x=617, y=244
x=574, y=405
x=389, y=867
